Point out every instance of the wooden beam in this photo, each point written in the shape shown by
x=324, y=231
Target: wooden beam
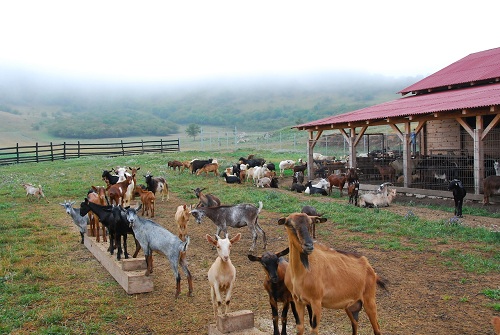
x=360, y=135
x=466, y=126
x=398, y=132
x=492, y=124
x=420, y=125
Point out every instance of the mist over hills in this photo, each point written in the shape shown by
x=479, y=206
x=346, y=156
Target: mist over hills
x=57, y=104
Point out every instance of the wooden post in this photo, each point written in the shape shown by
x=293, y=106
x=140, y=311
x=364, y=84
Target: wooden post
x=36, y=151
x=478, y=155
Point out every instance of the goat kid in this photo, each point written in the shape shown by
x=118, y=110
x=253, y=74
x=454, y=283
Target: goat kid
x=80, y=221
x=353, y=192
x=222, y=273
x=33, y=191
x=310, y=272
x=148, y=200
x=153, y=237
x=459, y=193
x=274, y=283
x=182, y=215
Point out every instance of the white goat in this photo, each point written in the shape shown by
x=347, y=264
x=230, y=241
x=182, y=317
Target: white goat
x=382, y=199
x=34, y=191
x=496, y=166
x=286, y=165
x=153, y=237
x=80, y=221
x=322, y=183
x=264, y=182
x=222, y=273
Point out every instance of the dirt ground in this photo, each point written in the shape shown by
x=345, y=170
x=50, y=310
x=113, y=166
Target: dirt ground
x=424, y=296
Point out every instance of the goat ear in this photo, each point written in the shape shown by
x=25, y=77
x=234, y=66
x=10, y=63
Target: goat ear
x=283, y=252
x=254, y=258
x=211, y=240
x=236, y=238
x=281, y=221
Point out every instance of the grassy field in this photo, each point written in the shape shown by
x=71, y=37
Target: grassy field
x=41, y=290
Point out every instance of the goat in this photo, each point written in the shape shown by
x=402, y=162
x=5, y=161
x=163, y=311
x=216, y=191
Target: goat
x=148, y=200
x=495, y=321
x=206, y=200
x=80, y=221
x=231, y=179
x=197, y=164
x=383, y=199
x=109, y=178
x=274, y=283
x=116, y=223
x=97, y=195
x=153, y=237
x=157, y=185
x=300, y=168
x=298, y=177
x=264, y=182
x=222, y=273
x=270, y=166
x=274, y=182
x=337, y=180
x=496, y=166
x=459, y=193
x=236, y=216
x=252, y=162
x=491, y=186
x=296, y=187
x=310, y=189
x=323, y=277
x=386, y=171
x=175, y=165
x=182, y=215
x=286, y=165
x=207, y=168
x=311, y=211
x=352, y=176
x=117, y=192
x=353, y=192
x=33, y=191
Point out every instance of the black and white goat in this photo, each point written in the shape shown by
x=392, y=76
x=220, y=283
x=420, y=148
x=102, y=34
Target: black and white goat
x=459, y=193
x=157, y=185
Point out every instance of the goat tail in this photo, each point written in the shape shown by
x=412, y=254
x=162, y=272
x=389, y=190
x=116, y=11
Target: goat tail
x=382, y=283
x=260, y=207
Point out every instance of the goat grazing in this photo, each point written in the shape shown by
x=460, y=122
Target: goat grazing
x=459, y=193
x=157, y=185
x=206, y=200
x=153, y=237
x=491, y=186
x=182, y=215
x=236, y=216
x=323, y=277
x=80, y=221
x=175, y=165
x=197, y=164
x=274, y=283
x=222, y=273
x=33, y=191
x=207, y=168
x=148, y=200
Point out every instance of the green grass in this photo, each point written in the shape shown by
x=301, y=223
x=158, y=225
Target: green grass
x=37, y=256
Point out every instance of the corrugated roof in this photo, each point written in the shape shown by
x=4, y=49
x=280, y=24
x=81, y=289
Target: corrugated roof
x=480, y=96
x=475, y=67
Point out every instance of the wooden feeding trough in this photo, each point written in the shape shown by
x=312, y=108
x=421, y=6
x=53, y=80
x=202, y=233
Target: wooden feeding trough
x=129, y=273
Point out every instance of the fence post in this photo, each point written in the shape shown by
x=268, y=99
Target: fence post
x=36, y=151
x=51, y=152
x=78, y=149
x=142, y=146
x=64, y=150
x=161, y=145
x=123, y=150
x=17, y=153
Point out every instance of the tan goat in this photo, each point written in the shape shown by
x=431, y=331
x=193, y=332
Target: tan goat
x=207, y=168
x=148, y=201
x=34, y=191
x=311, y=270
x=182, y=216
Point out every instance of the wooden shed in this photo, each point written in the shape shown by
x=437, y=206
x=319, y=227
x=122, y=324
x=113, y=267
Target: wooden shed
x=452, y=114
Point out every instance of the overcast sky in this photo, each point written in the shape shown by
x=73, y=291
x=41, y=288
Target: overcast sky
x=187, y=40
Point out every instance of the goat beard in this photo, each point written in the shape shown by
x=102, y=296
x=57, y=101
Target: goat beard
x=304, y=259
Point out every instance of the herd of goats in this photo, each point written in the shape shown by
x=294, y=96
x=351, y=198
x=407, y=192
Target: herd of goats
x=303, y=283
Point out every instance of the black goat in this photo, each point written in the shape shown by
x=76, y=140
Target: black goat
x=459, y=193
x=296, y=187
x=274, y=182
x=197, y=164
x=231, y=179
x=252, y=162
x=109, y=178
x=314, y=190
x=116, y=223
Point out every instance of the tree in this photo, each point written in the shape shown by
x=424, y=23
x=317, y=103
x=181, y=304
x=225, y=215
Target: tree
x=193, y=130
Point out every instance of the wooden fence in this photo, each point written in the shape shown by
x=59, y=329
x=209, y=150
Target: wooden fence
x=51, y=152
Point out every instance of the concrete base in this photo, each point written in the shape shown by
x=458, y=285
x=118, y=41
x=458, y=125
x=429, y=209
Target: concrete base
x=236, y=323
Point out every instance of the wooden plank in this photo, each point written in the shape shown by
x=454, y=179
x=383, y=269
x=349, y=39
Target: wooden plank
x=132, y=281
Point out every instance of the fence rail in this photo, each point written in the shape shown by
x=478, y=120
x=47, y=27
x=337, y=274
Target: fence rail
x=51, y=152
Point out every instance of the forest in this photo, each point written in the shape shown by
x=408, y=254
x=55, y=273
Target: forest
x=89, y=110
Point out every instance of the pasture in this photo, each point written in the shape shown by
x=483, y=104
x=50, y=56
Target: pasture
x=443, y=273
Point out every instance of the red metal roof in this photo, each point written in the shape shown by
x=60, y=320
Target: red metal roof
x=480, y=96
x=475, y=67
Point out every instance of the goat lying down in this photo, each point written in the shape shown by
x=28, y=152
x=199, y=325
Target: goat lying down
x=381, y=198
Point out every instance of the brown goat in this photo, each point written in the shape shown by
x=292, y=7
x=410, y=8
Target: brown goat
x=274, y=283
x=491, y=186
x=386, y=171
x=206, y=200
x=309, y=277
x=353, y=192
x=337, y=180
x=207, y=168
x=118, y=191
x=148, y=200
x=495, y=321
x=97, y=196
x=182, y=216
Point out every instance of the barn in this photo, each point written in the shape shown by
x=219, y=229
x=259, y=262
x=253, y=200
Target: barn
x=447, y=126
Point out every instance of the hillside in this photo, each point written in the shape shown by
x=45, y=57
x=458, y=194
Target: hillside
x=35, y=106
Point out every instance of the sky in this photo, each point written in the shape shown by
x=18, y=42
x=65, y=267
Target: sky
x=186, y=40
